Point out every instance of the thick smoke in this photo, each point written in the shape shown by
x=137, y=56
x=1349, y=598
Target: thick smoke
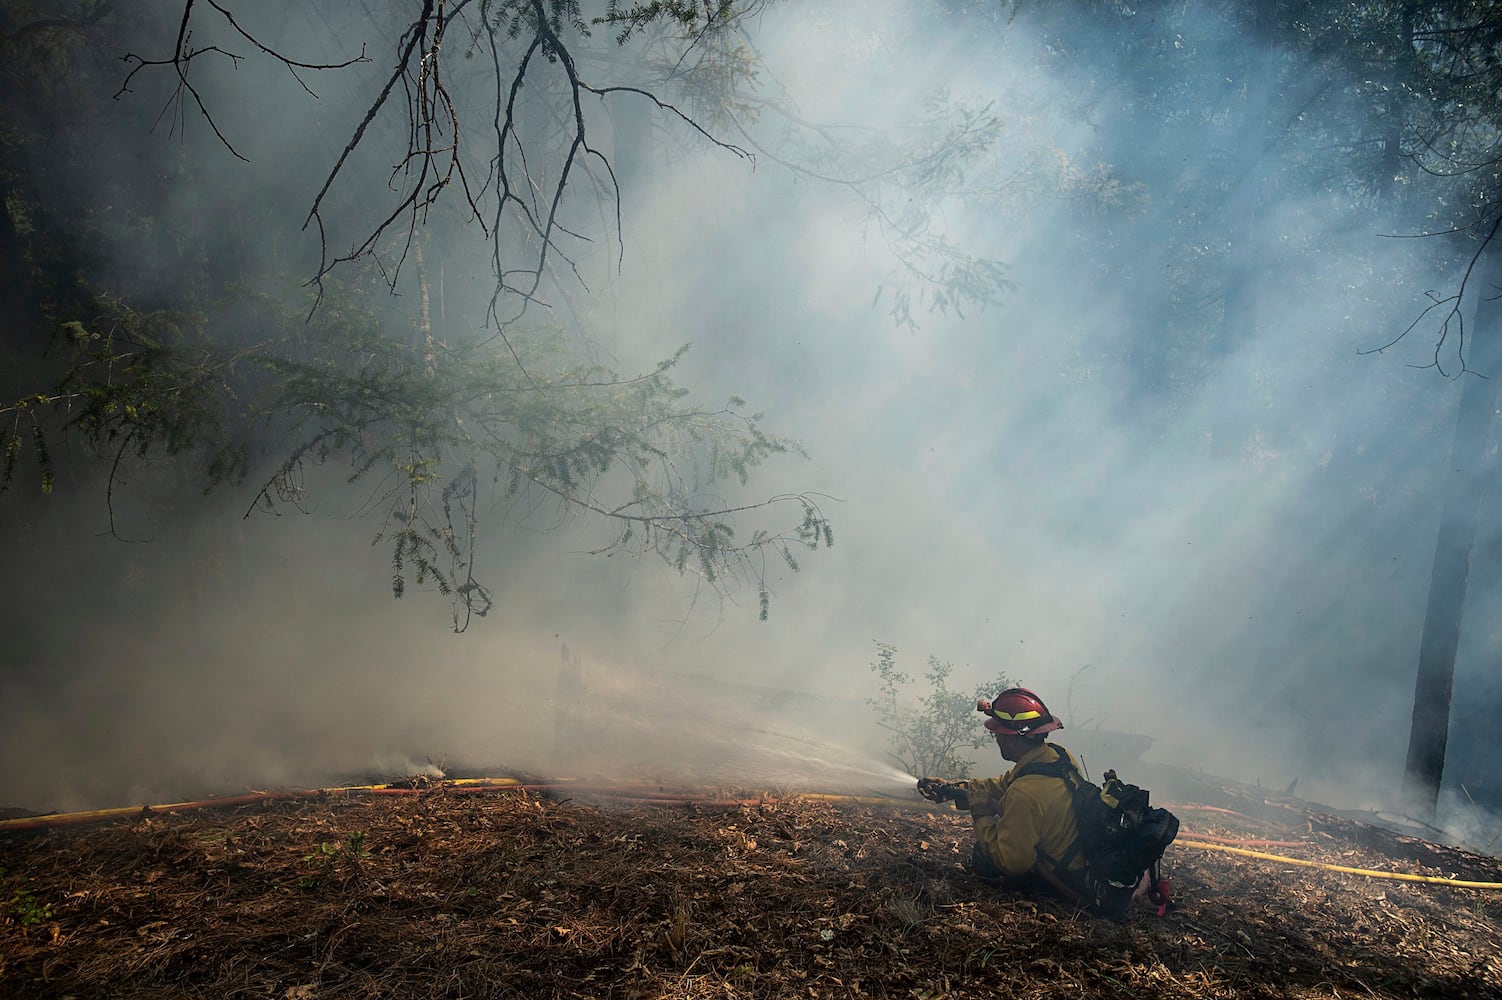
x=1030, y=488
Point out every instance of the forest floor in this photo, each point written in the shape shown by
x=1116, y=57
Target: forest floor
x=718, y=893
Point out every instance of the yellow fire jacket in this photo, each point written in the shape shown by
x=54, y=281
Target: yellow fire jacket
x=1016, y=818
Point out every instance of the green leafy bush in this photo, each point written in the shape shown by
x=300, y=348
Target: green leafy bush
x=929, y=730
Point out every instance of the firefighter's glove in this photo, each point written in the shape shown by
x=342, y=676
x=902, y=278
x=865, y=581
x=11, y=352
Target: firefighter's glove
x=939, y=790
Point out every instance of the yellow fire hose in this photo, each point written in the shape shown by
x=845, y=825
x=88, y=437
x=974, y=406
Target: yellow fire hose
x=126, y=812
x=643, y=791
x=1402, y=876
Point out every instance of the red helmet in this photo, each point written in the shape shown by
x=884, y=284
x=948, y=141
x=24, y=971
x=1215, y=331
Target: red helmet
x=1018, y=712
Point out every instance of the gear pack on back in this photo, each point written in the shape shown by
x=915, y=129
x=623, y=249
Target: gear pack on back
x=1121, y=837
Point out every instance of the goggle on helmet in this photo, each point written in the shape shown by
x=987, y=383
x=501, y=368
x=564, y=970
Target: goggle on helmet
x=1018, y=712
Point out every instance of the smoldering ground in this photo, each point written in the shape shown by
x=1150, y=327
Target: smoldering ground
x=1027, y=488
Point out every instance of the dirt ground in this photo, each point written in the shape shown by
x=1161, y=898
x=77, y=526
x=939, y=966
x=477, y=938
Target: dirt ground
x=719, y=893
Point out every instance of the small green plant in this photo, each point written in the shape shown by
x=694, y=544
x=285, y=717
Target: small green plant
x=28, y=910
x=335, y=858
x=25, y=909
x=929, y=731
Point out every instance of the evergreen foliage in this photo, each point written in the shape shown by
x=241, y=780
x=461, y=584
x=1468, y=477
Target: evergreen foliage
x=441, y=428
x=445, y=433
x=132, y=384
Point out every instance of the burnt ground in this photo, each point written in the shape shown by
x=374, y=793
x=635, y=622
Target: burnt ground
x=546, y=893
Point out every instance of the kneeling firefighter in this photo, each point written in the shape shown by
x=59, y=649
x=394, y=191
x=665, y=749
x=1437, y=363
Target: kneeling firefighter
x=1025, y=828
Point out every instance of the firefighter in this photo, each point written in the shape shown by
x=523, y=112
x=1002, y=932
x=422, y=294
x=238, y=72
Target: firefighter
x=1025, y=831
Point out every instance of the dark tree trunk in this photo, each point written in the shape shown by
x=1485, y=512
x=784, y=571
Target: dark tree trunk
x=1471, y=465
x=19, y=315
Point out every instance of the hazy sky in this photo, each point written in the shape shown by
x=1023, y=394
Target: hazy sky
x=1009, y=490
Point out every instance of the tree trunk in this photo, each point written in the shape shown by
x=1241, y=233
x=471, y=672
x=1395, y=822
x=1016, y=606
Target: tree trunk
x=1470, y=465
x=20, y=316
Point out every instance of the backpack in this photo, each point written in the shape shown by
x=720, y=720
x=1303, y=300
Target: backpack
x=1121, y=837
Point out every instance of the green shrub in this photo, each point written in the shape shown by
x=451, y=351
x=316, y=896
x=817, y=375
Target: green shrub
x=930, y=730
